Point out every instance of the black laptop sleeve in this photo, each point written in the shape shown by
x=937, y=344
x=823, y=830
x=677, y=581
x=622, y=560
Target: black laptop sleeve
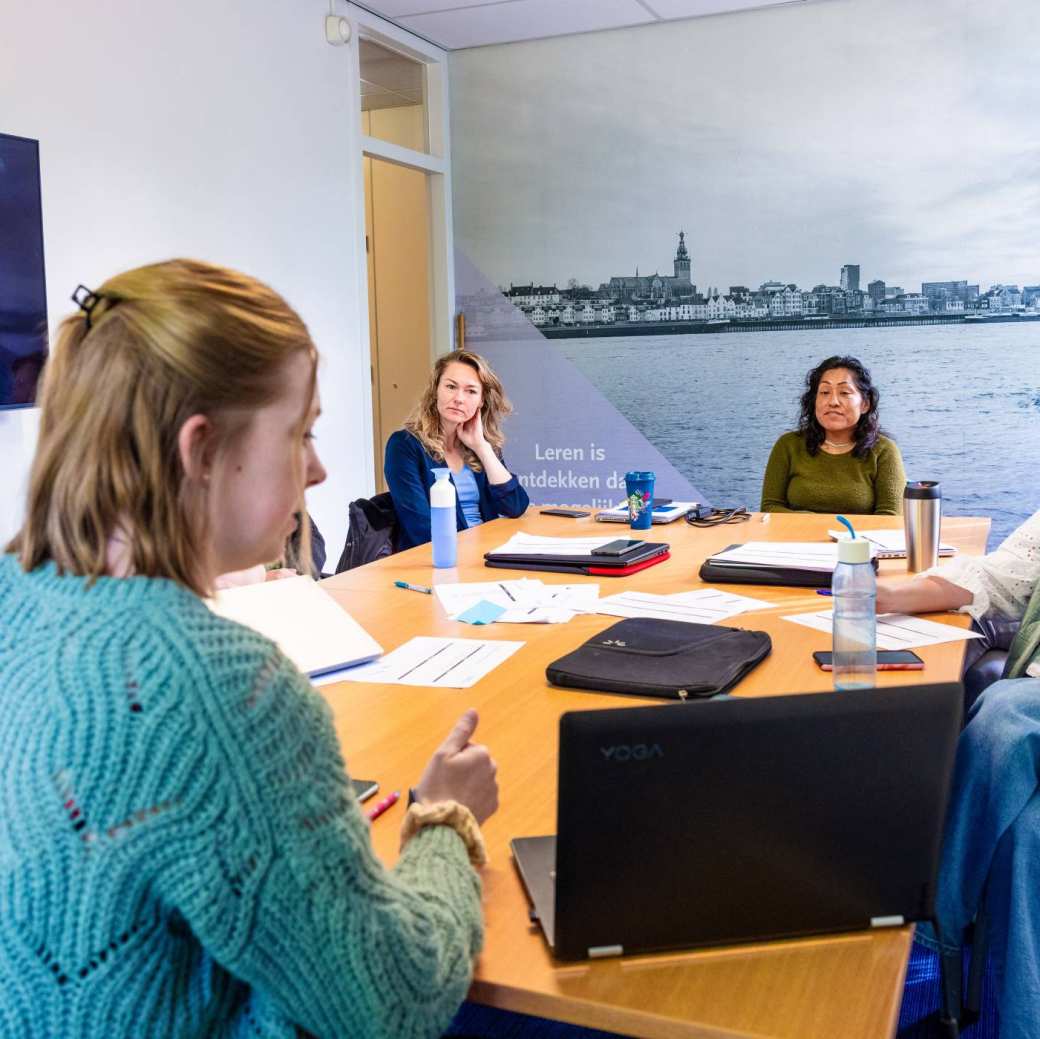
x=642, y=656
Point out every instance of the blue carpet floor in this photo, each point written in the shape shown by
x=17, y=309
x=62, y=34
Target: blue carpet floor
x=917, y=1016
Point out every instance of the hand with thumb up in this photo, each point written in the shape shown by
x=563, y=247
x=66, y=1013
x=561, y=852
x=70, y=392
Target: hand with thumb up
x=461, y=771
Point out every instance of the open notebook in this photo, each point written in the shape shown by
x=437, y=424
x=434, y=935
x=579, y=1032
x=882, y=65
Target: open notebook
x=890, y=544
x=310, y=627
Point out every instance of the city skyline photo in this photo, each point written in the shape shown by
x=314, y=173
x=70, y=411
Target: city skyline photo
x=785, y=143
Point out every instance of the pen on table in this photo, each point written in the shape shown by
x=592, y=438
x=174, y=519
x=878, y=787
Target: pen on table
x=824, y=591
x=414, y=587
x=388, y=802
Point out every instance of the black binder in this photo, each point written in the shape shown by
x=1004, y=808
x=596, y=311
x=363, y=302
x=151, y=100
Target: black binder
x=599, y=566
x=718, y=571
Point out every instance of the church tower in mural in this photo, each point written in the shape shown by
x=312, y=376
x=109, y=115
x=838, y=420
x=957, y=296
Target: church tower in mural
x=657, y=287
x=682, y=260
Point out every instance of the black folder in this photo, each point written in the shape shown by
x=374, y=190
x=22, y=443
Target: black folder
x=598, y=566
x=719, y=571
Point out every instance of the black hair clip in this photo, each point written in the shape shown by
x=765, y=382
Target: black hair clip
x=86, y=300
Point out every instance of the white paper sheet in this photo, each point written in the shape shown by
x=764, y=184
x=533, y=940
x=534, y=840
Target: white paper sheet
x=802, y=555
x=441, y=663
x=580, y=598
x=526, y=601
x=894, y=630
x=535, y=615
x=457, y=598
x=891, y=544
x=538, y=545
x=705, y=606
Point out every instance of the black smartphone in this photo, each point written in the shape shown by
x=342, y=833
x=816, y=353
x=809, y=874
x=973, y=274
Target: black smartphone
x=364, y=788
x=658, y=502
x=887, y=660
x=621, y=547
x=572, y=513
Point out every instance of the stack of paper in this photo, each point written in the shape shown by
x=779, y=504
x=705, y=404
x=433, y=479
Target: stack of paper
x=889, y=544
x=894, y=630
x=522, y=544
x=523, y=601
x=785, y=555
x=310, y=627
x=705, y=606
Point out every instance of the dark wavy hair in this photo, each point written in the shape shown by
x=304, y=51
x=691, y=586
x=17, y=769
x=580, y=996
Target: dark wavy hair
x=868, y=429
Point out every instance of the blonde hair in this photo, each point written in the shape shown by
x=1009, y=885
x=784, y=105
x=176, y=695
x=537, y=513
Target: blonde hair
x=163, y=343
x=425, y=420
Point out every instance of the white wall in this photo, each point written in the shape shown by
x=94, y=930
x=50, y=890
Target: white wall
x=226, y=131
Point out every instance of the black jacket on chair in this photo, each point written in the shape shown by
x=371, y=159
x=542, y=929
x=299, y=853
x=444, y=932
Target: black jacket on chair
x=372, y=532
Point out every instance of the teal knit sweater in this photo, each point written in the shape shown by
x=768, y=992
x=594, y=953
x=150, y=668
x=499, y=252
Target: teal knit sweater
x=180, y=850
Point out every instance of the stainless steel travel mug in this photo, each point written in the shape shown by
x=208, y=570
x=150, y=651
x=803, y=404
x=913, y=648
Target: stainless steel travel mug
x=922, y=513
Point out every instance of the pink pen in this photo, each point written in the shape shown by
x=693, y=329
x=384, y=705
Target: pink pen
x=388, y=802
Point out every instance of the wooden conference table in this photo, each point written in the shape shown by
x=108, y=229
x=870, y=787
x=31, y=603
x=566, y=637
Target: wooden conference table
x=846, y=985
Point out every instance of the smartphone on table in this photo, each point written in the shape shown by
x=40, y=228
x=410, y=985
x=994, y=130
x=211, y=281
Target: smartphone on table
x=620, y=547
x=364, y=788
x=887, y=660
x=572, y=513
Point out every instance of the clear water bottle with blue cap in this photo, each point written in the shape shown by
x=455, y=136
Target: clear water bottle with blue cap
x=443, y=526
x=854, y=592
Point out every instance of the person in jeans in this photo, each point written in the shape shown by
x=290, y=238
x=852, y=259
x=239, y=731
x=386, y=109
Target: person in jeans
x=991, y=845
x=183, y=854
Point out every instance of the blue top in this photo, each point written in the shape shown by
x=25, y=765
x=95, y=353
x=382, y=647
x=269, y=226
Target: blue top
x=469, y=496
x=409, y=475
x=182, y=851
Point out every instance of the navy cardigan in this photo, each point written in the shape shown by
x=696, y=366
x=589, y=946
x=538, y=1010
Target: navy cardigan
x=409, y=475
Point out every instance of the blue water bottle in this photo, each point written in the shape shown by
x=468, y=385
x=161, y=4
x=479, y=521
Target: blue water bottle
x=443, y=527
x=854, y=592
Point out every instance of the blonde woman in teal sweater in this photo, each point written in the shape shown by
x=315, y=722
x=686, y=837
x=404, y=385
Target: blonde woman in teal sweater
x=181, y=853
x=838, y=460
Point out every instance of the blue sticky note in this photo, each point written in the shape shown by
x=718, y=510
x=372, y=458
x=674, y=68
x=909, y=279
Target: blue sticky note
x=483, y=613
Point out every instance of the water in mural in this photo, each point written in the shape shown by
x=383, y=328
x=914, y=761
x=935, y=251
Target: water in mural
x=963, y=403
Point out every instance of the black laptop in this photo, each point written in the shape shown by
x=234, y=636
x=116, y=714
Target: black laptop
x=743, y=819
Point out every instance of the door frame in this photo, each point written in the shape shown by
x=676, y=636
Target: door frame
x=436, y=164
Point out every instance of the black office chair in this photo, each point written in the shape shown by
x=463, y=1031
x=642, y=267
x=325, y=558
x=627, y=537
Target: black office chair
x=984, y=658
x=292, y=555
x=372, y=532
x=959, y=1008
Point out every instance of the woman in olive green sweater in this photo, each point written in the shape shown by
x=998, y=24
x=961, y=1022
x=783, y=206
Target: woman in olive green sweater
x=837, y=460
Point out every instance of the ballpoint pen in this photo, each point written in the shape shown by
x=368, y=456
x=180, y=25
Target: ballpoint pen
x=388, y=802
x=413, y=587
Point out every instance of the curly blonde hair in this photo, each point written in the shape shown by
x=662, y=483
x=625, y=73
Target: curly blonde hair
x=162, y=343
x=425, y=421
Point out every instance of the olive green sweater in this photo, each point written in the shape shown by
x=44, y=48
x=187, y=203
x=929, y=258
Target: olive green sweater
x=795, y=481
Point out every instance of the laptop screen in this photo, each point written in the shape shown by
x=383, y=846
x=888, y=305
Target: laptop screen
x=746, y=819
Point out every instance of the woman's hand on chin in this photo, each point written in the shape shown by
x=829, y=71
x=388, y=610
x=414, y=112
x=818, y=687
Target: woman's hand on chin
x=471, y=434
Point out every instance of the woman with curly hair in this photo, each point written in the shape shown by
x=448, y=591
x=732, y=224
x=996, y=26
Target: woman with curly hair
x=838, y=460
x=456, y=425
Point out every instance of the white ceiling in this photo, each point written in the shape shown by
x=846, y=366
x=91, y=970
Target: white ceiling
x=454, y=24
